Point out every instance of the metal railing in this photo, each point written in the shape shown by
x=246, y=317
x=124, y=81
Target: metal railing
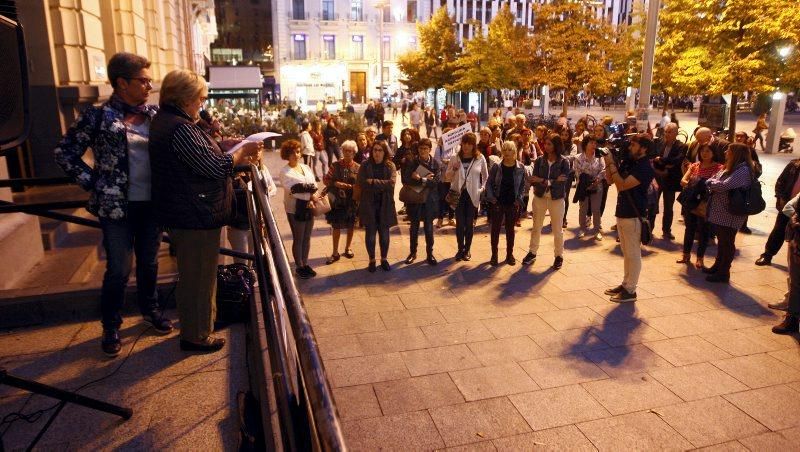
x=307, y=417
x=290, y=364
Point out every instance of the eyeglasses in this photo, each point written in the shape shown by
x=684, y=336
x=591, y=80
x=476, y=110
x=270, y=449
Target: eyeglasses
x=142, y=80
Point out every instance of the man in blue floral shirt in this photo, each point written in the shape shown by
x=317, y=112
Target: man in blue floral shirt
x=119, y=187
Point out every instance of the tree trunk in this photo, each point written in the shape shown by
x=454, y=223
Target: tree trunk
x=732, y=117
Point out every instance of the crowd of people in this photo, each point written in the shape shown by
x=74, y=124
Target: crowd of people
x=167, y=169
x=492, y=173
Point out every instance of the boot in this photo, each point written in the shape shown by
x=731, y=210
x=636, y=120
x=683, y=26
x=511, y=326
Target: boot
x=790, y=325
x=493, y=261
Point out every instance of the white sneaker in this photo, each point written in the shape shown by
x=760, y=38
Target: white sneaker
x=598, y=236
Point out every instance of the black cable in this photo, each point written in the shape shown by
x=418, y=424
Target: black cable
x=9, y=419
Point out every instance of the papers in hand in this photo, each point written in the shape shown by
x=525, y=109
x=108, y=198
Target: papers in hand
x=423, y=173
x=256, y=137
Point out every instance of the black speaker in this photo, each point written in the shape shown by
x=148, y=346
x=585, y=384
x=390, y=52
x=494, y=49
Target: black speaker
x=14, y=117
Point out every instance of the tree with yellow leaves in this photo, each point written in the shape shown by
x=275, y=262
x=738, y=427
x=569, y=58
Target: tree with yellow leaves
x=571, y=48
x=497, y=60
x=729, y=46
x=434, y=64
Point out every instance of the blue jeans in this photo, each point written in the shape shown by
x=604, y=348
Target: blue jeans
x=137, y=234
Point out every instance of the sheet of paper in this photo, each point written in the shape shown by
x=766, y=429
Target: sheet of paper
x=260, y=136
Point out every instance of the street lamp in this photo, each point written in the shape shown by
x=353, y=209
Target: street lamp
x=381, y=5
x=778, y=106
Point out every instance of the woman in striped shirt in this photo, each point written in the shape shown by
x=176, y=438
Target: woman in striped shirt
x=738, y=174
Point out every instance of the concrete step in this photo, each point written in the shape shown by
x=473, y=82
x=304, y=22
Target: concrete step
x=67, y=302
x=66, y=284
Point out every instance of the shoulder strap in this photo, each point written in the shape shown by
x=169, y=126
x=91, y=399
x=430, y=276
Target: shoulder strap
x=633, y=204
x=466, y=173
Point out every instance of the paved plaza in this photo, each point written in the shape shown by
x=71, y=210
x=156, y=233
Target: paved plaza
x=179, y=400
x=464, y=355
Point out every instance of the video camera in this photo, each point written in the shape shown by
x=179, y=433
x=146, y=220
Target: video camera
x=617, y=144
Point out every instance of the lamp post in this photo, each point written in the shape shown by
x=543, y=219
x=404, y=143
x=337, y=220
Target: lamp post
x=381, y=5
x=778, y=107
x=648, y=57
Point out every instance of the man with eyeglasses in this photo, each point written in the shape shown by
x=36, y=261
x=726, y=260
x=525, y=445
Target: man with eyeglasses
x=119, y=185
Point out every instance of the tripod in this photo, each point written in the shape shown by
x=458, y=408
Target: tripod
x=62, y=395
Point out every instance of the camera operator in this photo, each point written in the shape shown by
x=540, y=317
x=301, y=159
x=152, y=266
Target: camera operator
x=632, y=186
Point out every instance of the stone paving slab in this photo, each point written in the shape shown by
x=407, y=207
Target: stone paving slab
x=596, y=374
x=180, y=400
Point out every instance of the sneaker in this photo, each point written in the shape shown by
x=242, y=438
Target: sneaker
x=510, y=260
x=411, y=258
x=558, y=262
x=466, y=256
x=459, y=255
x=310, y=271
x=529, y=258
x=745, y=230
x=624, y=297
x=431, y=260
x=493, y=261
x=302, y=273
x=779, y=306
x=614, y=290
x=160, y=324
x=668, y=236
x=371, y=267
x=599, y=236
x=111, y=343
x=385, y=265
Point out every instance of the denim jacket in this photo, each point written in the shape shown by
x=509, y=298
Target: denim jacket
x=102, y=129
x=550, y=173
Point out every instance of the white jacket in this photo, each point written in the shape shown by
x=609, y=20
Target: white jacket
x=307, y=143
x=475, y=180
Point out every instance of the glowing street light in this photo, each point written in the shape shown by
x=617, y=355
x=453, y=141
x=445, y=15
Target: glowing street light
x=785, y=51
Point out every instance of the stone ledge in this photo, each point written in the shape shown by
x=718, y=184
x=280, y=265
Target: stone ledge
x=32, y=306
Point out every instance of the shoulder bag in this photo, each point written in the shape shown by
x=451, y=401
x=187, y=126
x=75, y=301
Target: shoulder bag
x=454, y=196
x=747, y=201
x=647, y=231
x=323, y=205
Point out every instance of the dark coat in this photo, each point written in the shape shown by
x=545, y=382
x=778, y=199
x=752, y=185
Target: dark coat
x=785, y=182
x=434, y=166
x=184, y=199
x=495, y=179
x=379, y=192
x=560, y=167
x=670, y=180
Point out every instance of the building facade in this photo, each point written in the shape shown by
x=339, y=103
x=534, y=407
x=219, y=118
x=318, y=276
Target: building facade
x=329, y=50
x=464, y=12
x=68, y=44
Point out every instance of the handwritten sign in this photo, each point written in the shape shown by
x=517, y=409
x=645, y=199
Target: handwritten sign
x=452, y=138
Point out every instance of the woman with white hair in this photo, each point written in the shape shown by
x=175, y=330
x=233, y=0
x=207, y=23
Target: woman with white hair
x=339, y=182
